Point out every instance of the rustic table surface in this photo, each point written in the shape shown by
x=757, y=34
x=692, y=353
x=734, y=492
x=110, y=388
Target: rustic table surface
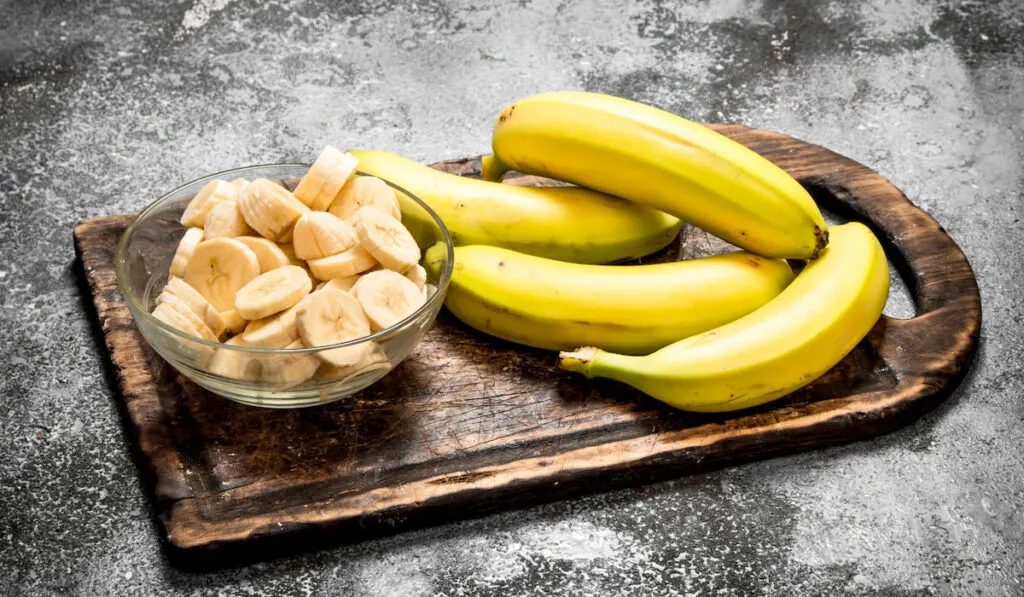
x=103, y=105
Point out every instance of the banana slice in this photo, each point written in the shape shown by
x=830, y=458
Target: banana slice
x=270, y=209
x=215, y=191
x=272, y=292
x=362, y=191
x=428, y=291
x=194, y=325
x=225, y=221
x=288, y=369
x=417, y=275
x=345, y=284
x=239, y=184
x=289, y=251
x=218, y=268
x=234, y=322
x=325, y=178
x=318, y=234
x=387, y=297
x=196, y=302
x=374, y=359
x=267, y=252
x=344, y=264
x=276, y=331
x=332, y=316
x=386, y=239
x=234, y=364
x=186, y=247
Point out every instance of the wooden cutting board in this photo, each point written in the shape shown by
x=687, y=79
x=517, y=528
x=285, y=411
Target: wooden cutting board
x=471, y=424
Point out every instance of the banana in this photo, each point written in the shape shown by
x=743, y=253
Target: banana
x=225, y=221
x=325, y=178
x=779, y=348
x=385, y=238
x=633, y=309
x=345, y=284
x=186, y=247
x=373, y=359
x=276, y=331
x=365, y=190
x=347, y=263
x=272, y=292
x=387, y=298
x=417, y=275
x=218, y=268
x=270, y=209
x=329, y=317
x=196, y=302
x=289, y=369
x=268, y=253
x=319, y=234
x=640, y=153
x=234, y=322
x=564, y=223
x=234, y=364
x=173, y=311
x=214, y=193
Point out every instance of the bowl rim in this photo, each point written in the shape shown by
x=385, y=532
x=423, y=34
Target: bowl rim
x=136, y=308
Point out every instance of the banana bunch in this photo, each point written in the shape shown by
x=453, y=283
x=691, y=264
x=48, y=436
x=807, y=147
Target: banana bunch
x=243, y=273
x=716, y=334
x=564, y=223
x=632, y=309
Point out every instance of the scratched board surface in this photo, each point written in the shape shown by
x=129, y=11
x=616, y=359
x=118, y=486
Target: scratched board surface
x=469, y=424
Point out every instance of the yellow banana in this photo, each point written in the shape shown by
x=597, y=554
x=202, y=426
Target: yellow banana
x=779, y=348
x=564, y=223
x=634, y=309
x=649, y=156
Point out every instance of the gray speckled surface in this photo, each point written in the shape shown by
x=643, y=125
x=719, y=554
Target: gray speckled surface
x=103, y=105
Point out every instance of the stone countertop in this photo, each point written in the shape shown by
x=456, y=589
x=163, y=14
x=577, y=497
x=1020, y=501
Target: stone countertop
x=103, y=105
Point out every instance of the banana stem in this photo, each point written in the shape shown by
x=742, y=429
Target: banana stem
x=493, y=169
x=579, y=360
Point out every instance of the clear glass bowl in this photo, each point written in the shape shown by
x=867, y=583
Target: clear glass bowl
x=144, y=257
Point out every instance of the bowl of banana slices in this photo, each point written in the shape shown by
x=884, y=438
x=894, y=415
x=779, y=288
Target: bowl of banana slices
x=285, y=285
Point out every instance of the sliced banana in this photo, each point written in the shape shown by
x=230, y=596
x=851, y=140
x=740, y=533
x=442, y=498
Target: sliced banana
x=215, y=192
x=325, y=178
x=345, y=284
x=289, y=251
x=344, y=264
x=186, y=247
x=234, y=322
x=386, y=239
x=428, y=291
x=276, y=331
x=332, y=316
x=417, y=275
x=362, y=191
x=239, y=184
x=270, y=209
x=192, y=323
x=218, y=268
x=289, y=369
x=318, y=234
x=373, y=359
x=267, y=252
x=387, y=297
x=196, y=302
x=234, y=364
x=272, y=292
x=225, y=221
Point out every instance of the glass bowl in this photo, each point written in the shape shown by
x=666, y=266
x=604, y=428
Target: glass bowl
x=267, y=377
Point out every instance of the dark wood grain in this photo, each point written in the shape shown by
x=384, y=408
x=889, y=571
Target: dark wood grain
x=469, y=424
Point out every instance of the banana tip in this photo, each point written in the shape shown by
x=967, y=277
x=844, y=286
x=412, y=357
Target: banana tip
x=577, y=360
x=820, y=241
